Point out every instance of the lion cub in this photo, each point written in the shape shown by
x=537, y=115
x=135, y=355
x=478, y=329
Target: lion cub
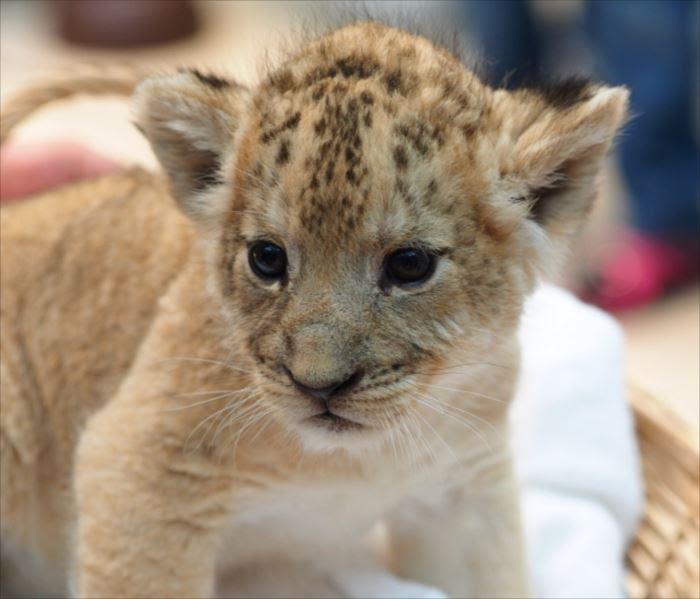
x=316, y=335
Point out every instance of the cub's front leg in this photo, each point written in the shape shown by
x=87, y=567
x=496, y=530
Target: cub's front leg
x=465, y=539
x=148, y=511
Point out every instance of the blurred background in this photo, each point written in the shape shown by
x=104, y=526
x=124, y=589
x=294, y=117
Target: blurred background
x=638, y=258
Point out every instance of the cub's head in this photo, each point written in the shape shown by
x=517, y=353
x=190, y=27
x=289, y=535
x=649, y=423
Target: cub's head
x=376, y=213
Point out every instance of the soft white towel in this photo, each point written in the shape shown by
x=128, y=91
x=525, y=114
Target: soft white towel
x=576, y=456
x=575, y=448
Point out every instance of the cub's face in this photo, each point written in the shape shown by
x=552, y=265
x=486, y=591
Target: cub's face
x=356, y=259
x=377, y=213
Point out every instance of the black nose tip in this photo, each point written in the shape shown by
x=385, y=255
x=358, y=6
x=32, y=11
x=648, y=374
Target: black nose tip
x=325, y=393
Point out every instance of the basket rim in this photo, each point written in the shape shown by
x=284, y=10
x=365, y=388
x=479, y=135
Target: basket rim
x=657, y=414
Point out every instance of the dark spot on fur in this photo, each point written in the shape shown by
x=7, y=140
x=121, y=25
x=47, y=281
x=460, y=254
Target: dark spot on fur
x=283, y=153
x=346, y=67
x=353, y=66
x=400, y=157
x=288, y=344
x=367, y=119
x=393, y=81
x=318, y=92
x=462, y=100
x=418, y=134
x=292, y=121
x=211, y=80
x=205, y=173
x=469, y=130
x=389, y=108
x=565, y=93
x=320, y=73
x=432, y=187
x=339, y=89
x=448, y=86
x=282, y=81
x=438, y=135
x=320, y=126
x=367, y=98
x=542, y=202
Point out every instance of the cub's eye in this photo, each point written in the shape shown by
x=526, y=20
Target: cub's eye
x=409, y=266
x=267, y=260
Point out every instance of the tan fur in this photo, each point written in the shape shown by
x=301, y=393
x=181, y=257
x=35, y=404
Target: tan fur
x=151, y=439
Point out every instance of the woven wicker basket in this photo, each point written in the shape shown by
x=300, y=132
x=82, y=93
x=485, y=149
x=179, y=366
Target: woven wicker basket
x=664, y=559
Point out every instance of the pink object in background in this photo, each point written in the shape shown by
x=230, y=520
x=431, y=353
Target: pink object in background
x=641, y=268
x=26, y=169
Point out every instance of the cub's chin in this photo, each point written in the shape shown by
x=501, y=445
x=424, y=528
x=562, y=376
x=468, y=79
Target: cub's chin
x=327, y=431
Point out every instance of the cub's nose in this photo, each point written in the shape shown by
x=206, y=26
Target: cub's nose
x=325, y=392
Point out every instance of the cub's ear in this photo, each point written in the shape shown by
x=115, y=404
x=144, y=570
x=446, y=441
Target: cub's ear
x=190, y=120
x=555, y=140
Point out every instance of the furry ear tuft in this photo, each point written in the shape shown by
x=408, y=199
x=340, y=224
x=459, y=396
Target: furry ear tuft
x=557, y=143
x=190, y=120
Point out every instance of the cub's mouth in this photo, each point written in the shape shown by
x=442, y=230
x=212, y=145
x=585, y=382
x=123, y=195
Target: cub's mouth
x=335, y=423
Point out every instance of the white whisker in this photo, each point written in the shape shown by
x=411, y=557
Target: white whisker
x=464, y=364
x=210, y=399
x=232, y=417
x=457, y=390
x=432, y=428
x=441, y=410
x=428, y=447
x=217, y=414
x=460, y=410
x=204, y=360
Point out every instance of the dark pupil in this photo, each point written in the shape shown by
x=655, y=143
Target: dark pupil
x=408, y=265
x=267, y=259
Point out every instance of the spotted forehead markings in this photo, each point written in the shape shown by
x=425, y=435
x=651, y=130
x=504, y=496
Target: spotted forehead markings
x=338, y=186
x=337, y=178
x=333, y=206
x=289, y=124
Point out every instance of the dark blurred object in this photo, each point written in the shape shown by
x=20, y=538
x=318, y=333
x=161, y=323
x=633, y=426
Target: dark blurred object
x=125, y=23
x=652, y=48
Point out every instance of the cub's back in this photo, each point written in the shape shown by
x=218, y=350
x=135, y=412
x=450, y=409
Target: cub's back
x=82, y=268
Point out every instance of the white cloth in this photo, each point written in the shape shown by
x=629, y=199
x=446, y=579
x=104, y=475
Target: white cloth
x=575, y=448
